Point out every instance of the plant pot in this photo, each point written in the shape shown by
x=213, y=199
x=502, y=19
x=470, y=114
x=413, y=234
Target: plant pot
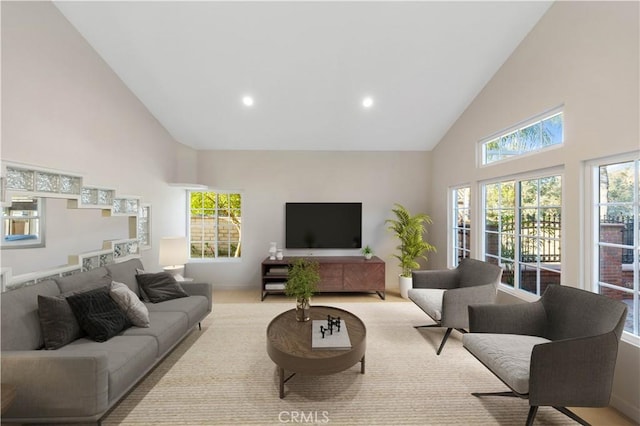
x=405, y=284
x=368, y=256
x=303, y=309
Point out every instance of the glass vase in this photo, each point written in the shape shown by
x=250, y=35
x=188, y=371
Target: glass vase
x=303, y=309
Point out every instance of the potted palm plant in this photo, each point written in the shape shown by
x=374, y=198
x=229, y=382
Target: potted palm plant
x=302, y=281
x=410, y=230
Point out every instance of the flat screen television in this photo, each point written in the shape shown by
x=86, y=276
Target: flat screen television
x=323, y=225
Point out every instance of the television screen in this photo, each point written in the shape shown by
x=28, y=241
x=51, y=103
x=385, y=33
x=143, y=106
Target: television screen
x=323, y=225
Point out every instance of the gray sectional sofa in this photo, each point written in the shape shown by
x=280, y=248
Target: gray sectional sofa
x=82, y=380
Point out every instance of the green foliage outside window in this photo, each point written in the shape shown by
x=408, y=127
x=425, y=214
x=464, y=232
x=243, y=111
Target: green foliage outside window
x=215, y=224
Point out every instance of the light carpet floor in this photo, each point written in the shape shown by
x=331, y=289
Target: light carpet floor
x=222, y=375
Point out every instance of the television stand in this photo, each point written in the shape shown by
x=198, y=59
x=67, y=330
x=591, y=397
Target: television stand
x=337, y=274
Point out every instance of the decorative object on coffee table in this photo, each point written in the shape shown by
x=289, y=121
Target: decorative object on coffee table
x=330, y=333
x=410, y=230
x=302, y=282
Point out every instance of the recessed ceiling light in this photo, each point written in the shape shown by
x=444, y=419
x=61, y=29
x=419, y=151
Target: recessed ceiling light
x=367, y=102
x=247, y=100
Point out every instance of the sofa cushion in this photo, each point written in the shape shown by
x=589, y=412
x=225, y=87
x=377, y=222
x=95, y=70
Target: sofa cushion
x=20, y=306
x=168, y=328
x=58, y=322
x=160, y=286
x=508, y=356
x=429, y=300
x=129, y=358
x=125, y=272
x=195, y=307
x=130, y=304
x=98, y=314
x=84, y=280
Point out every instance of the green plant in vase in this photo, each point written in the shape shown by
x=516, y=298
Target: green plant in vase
x=367, y=252
x=410, y=230
x=302, y=282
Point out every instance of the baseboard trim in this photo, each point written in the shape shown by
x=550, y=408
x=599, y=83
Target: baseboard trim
x=626, y=408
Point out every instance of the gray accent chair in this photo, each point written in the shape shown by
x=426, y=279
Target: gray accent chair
x=445, y=294
x=559, y=351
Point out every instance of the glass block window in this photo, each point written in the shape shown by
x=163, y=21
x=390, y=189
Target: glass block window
x=144, y=225
x=460, y=219
x=534, y=136
x=215, y=224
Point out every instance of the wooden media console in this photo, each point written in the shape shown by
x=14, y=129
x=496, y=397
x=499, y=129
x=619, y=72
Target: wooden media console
x=337, y=274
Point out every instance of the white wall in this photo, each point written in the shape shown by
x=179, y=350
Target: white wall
x=64, y=108
x=269, y=179
x=585, y=56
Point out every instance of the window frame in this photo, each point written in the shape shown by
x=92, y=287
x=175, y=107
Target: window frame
x=38, y=242
x=454, y=229
x=216, y=258
x=517, y=179
x=481, y=145
x=592, y=231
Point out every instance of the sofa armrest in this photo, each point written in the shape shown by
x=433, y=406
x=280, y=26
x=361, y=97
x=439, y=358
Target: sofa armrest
x=573, y=372
x=520, y=318
x=441, y=278
x=56, y=384
x=199, y=289
x=455, y=303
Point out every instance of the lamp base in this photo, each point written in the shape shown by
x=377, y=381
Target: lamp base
x=176, y=270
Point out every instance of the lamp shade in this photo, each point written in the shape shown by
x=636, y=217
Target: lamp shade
x=173, y=251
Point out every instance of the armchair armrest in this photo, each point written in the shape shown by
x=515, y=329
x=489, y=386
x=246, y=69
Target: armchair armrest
x=56, y=383
x=199, y=289
x=455, y=303
x=441, y=278
x=520, y=318
x=573, y=372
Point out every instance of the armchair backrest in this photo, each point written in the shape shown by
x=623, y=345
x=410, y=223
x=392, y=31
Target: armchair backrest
x=473, y=272
x=573, y=313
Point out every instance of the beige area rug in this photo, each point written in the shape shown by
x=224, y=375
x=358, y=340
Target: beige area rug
x=222, y=375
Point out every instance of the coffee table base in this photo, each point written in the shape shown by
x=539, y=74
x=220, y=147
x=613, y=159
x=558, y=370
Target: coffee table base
x=283, y=380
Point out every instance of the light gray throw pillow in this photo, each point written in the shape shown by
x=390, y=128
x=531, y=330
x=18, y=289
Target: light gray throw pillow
x=130, y=304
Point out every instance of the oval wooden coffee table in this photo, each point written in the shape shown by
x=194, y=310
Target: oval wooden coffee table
x=289, y=344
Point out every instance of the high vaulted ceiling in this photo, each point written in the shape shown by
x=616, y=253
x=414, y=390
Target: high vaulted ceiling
x=307, y=65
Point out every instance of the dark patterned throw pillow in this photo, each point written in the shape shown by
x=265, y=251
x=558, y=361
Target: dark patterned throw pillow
x=57, y=321
x=98, y=314
x=160, y=286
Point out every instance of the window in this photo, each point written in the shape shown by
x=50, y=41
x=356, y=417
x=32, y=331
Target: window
x=23, y=223
x=536, y=135
x=617, y=247
x=215, y=224
x=461, y=232
x=522, y=225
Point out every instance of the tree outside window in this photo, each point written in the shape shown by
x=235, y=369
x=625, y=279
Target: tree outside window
x=215, y=224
